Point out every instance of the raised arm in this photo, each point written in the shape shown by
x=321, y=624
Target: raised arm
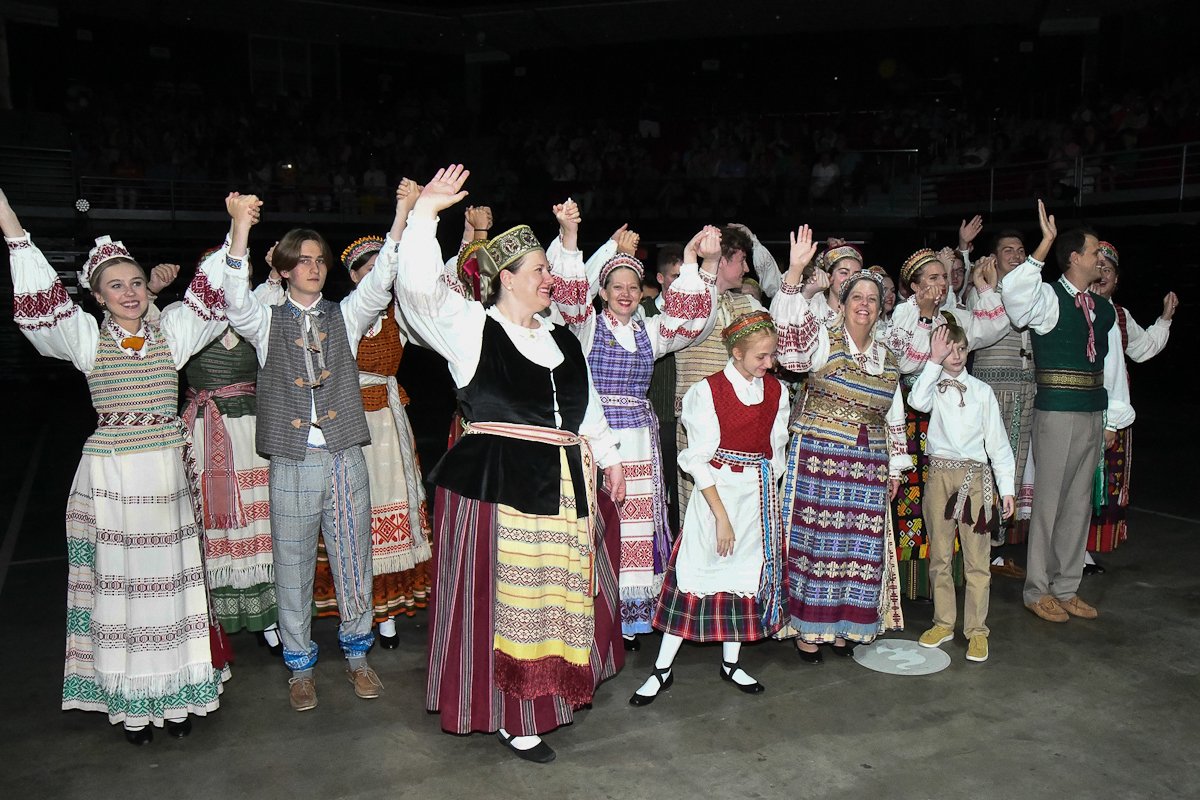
x=689, y=305
x=803, y=340
x=987, y=321
x=765, y=265
x=42, y=309
x=362, y=307
x=1027, y=300
x=1146, y=343
x=249, y=316
x=574, y=287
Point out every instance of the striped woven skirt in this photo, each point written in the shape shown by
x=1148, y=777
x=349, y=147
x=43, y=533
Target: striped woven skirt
x=462, y=684
x=1108, y=527
x=839, y=548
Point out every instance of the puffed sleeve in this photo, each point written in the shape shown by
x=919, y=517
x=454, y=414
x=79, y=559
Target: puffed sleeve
x=803, y=341
x=1029, y=301
x=779, y=432
x=438, y=317
x=899, y=460
x=908, y=337
x=249, y=316
x=1145, y=343
x=699, y=417
x=191, y=325
x=769, y=276
x=43, y=310
x=689, y=312
x=987, y=322
x=572, y=294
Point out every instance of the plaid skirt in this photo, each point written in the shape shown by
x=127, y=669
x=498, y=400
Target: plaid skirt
x=720, y=617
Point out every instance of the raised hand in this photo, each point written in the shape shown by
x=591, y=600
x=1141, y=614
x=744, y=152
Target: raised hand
x=244, y=209
x=406, y=194
x=568, y=216
x=967, y=232
x=833, y=242
x=710, y=243
x=939, y=345
x=946, y=256
x=443, y=191
x=692, y=247
x=815, y=284
x=161, y=277
x=801, y=251
x=928, y=299
x=627, y=241
x=479, y=218
x=1046, y=223
x=616, y=235
x=984, y=275
x=1170, y=303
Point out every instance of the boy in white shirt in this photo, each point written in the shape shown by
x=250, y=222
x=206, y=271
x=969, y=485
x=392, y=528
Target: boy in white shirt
x=965, y=432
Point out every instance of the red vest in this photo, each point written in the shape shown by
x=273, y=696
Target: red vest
x=745, y=428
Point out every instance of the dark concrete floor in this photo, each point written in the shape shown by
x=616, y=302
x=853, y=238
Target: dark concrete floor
x=1101, y=709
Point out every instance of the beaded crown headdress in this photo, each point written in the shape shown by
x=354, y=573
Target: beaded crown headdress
x=914, y=263
x=863, y=275
x=830, y=258
x=622, y=261
x=105, y=250
x=1109, y=252
x=745, y=325
x=359, y=248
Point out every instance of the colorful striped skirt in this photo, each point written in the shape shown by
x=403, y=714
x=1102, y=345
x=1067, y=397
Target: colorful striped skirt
x=841, y=579
x=1108, y=528
x=462, y=684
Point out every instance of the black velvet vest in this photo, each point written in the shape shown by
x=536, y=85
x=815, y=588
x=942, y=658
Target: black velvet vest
x=507, y=387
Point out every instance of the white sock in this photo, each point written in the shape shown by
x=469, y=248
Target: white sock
x=998, y=561
x=1087, y=558
x=628, y=637
x=522, y=742
x=387, y=627
x=730, y=652
x=666, y=656
x=271, y=634
x=177, y=721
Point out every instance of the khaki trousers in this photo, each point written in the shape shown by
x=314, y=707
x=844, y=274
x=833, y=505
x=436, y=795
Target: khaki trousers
x=940, y=486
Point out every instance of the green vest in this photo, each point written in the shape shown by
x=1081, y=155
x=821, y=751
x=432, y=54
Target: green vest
x=1066, y=380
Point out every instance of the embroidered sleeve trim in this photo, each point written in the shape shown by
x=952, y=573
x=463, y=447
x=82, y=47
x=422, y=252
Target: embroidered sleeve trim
x=44, y=309
x=687, y=306
x=206, y=301
x=787, y=288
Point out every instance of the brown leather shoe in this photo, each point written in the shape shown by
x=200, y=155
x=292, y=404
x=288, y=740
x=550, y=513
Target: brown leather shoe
x=1048, y=609
x=302, y=692
x=1077, y=608
x=366, y=683
x=1009, y=569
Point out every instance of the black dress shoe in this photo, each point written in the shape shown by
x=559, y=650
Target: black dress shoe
x=810, y=658
x=1093, y=569
x=748, y=688
x=140, y=737
x=541, y=753
x=632, y=644
x=179, y=729
x=389, y=642
x=843, y=650
x=276, y=649
x=640, y=700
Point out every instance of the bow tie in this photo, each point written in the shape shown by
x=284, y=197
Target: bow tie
x=134, y=343
x=950, y=383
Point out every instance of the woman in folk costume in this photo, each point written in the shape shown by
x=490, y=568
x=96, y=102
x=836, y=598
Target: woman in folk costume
x=725, y=581
x=621, y=348
x=985, y=323
x=524, y=603
x=1108, y=527
x=400, y=530
x=220, y=410
x=140, y=628
x=844, y=465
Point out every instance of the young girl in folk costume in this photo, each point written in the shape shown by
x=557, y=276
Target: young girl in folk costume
x=725, y=582
x=400, y=530
x=844, y=464
x=220, y=410
x=621, y=347
x=138, y=615
x=524, y=603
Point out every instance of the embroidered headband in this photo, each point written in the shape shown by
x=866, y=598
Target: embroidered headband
x=914, y=263
x=105, y=250
x=1109, y=252
x=880, y=271
x=864, y=275
x=829, y=259
x=622, y=261
x=745, y=325
x=359, y=248
x=506, y=248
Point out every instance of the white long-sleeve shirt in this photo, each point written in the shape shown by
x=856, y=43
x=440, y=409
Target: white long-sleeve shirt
x=452, y=325
x=1031, y=302
x=1144, y=343
x=964, y=425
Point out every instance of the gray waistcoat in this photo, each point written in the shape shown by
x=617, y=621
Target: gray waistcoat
x=285, y=407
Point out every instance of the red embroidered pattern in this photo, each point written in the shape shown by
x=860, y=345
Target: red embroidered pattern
x=572, y=292
x=989, y=313
x=44, y=309
x=796, y=341
x=687, y=306
x=207, y=302
x=787, y=288
x=20, y=244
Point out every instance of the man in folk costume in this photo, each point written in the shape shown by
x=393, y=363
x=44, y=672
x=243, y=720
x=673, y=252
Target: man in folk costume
x=709, y=355
x=312, y=427
x=1082, y=401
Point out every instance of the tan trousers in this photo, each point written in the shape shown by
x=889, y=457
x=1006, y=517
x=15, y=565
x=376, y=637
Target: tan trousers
x=941, y=485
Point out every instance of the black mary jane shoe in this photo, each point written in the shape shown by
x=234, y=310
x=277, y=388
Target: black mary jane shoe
x=179, y=729
x=140, y=737
x=814, y=657
x=748, y=688
x=276, y=649
x=389, y=642
x=640, y=700
x=541, y=753
x=1093, y=569
x=843, y=650
x=632, y=644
